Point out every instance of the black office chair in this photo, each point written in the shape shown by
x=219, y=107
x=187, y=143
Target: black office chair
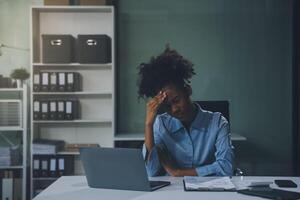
x=222, y=107
x=216, y=106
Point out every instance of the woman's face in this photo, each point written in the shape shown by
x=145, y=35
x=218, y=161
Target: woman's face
x=178, y=103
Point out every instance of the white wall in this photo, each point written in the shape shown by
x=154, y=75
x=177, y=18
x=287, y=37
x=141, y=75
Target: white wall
x=14, y=32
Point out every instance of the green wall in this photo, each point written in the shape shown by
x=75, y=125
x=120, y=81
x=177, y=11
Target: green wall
x=242, y=51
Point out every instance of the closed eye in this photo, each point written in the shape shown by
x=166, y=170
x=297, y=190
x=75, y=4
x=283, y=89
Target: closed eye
x=176, y=99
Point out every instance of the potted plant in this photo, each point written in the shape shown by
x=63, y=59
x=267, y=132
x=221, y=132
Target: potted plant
x=20, y=75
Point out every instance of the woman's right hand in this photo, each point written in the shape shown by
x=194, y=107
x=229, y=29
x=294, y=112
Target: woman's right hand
x=152, y=107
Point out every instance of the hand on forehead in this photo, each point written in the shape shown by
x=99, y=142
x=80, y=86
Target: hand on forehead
x=170, y=90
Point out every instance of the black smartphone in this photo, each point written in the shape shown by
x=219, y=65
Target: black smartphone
x=285, y=183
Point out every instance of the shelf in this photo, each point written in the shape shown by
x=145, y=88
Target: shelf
x=11, y=128
x=140, y=136
x=79, y=121
x=12, y=167
x=129, y=137
x=45, y=178
x=74, y=93
x=59, y=153
x=11, y=89
x=66, y=9
x=10, y=100
x=17, y=96
x=67, y=153
x=72, y=66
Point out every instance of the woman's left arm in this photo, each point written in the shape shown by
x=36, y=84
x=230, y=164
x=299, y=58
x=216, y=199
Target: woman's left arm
x=224, y=157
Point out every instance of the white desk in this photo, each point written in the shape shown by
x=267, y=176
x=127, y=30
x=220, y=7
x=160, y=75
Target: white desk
x=75, y=187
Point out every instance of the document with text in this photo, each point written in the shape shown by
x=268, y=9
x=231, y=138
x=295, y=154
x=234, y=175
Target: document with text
x=194, y=183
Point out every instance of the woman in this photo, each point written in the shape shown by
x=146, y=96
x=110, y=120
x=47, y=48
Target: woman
x=180, y=138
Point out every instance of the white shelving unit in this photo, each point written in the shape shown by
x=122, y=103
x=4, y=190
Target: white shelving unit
x=20, y=95
x=97, y=98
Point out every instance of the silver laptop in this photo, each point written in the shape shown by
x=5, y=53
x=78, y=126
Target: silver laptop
x=117, y=168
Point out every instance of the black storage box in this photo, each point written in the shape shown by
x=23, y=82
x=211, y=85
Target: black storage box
x=58, y=48
x=93, y=49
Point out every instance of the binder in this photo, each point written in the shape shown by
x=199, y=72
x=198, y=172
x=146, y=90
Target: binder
x=53, y=167
x=6, y=82
x=17, y=188
x=1, y=177
x=71, y=109
x=73, y=82
x=53, y=110
x=44, y=166
x=7, y=186
x=45, y=81
x=36, y=82
x=69, y=165
x=44, y=110
x=70, y=82
x=1, y=86
x=61, y=166
x=36, y=110
x=61, y=81
x=60, y=110
x=53, y=82
x=36, y=167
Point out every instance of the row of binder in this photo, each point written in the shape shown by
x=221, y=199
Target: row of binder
x=10, y=173
x=6, y=82
x=57, y=82
x=53, y=165
x=10, y=185
x=56, y=109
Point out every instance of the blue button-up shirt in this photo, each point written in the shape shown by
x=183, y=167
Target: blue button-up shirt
x=205, y=147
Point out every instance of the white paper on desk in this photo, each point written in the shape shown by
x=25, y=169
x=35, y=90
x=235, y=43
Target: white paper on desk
x=194, y=182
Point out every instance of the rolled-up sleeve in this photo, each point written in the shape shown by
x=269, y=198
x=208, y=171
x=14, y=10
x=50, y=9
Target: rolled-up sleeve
x=152, y=162
x=153, y=165
x=223, y=165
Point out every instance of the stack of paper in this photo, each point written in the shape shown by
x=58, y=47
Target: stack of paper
x=9, y=156
x=208, y=183
x=45, y=146
x=5, y=156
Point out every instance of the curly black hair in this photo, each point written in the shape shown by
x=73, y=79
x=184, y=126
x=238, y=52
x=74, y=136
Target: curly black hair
x=167, y=68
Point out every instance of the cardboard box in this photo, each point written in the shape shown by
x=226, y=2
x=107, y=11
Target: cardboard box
x=56, y=2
